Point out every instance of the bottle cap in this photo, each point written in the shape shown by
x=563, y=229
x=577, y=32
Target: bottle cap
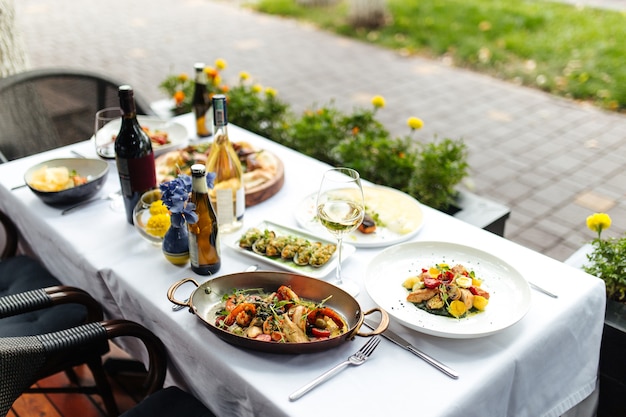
x=198, y=170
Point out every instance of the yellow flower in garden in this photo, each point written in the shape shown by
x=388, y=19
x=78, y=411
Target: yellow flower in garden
x=270, y=92
x=243, y=76
x=158, y=224
x=220, y=63
x=378, y=101
x=257, y=88
x=598, y=222
x=182, y=77
x=158, y=207
x=415, y=123
x=217, y=80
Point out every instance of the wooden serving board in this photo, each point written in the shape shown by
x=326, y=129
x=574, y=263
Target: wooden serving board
x=266, y=190
x=272, y=175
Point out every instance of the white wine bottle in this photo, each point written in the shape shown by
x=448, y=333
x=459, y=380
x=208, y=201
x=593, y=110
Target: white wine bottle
x=228, y=195
x=133, y=154
x=204, y=243
x=200, y=101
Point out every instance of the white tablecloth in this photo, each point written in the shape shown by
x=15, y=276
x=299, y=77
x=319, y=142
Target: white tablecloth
x=541, y=366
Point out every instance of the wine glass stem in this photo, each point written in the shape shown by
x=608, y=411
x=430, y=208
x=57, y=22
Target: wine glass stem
x=338, y=270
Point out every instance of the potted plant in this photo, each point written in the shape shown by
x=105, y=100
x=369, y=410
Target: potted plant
x=430, y=171
x=606, y=259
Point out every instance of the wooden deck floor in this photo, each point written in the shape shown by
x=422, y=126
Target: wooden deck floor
x=126, y=388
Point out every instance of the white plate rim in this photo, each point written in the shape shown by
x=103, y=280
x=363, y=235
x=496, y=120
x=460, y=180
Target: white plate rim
x=177, y=133
x=499, y=276
x=365, y=241
x=309, y=271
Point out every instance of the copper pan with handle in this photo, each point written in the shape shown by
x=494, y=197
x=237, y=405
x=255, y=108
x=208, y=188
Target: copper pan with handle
x=208, y=296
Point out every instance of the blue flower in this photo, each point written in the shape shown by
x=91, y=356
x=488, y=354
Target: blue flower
x=175, y=196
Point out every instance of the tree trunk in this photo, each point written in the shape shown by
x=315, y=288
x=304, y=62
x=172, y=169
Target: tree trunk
x=367, y=13
x=12, y=54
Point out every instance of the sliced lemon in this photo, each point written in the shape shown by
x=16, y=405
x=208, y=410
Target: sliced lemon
x=464, y=282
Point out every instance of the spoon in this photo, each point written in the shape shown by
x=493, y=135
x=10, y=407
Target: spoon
x=111, y=196
x=177, y=307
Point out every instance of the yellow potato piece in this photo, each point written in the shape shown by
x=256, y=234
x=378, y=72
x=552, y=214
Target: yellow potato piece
x=457, y=308
x=410, y=282
x=480, y=302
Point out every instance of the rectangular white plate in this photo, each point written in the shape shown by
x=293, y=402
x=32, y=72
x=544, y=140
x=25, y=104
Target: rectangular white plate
x=289, y=265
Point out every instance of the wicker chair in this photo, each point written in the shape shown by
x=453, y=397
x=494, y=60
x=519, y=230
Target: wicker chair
x=47, y=108
x=33, y=301
x=24, y=359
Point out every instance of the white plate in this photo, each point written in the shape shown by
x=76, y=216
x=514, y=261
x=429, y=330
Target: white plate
x=401, y=214
x=509, y=292
x=309, y=271
x=177, y=133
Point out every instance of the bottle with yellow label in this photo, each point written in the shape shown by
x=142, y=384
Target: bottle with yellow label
x=204, y=243
x=228, y=195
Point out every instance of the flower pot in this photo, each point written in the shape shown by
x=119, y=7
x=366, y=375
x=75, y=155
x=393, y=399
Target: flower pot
x=175, y=245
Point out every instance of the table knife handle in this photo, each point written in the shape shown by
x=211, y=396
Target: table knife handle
x=434, y=362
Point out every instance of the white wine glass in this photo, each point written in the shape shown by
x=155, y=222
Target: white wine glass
x=340, y=209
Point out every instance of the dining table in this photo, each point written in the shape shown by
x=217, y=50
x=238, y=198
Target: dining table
x=543, y=364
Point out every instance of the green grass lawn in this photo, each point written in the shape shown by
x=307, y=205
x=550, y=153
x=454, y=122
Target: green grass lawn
x=571, y=52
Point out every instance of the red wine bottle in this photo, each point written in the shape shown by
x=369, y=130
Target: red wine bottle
x=133, y=154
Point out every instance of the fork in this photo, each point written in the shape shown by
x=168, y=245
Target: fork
x=358, y=358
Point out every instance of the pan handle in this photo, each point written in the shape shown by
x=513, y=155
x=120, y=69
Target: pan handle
x=174, y=287
x=382, y=326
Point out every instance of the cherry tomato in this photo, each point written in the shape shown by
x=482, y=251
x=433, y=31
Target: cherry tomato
x=432, y=282
x=320, y=332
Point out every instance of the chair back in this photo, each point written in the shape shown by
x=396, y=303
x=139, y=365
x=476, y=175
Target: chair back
x=47, y=108
x=23, y=360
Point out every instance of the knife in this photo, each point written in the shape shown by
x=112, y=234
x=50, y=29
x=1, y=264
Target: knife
x=395, y=338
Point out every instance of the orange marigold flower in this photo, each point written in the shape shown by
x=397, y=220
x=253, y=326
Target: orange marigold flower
x=210, y=71
x=224, y=88
x=355, y=130
x=179, y=96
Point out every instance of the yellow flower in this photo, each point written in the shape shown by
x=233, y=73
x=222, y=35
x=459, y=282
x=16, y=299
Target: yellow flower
x=220, y=63
x=217, y=80
x=378, y=101
x=182, y=77
x=270, y=92
x=158, y=225
x=157, y=207
x=243, y=76
x=257, y=88
x=598, y=222
x=415, y=123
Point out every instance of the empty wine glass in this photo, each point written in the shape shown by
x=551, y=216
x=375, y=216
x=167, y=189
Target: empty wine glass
x=340, y=209
x=104, y=139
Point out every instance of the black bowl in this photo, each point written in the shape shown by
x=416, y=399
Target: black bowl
x=95, y=170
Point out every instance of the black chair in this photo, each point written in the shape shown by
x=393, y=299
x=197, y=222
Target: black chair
x=24, y=359
x=46, y=108
x=33, y=301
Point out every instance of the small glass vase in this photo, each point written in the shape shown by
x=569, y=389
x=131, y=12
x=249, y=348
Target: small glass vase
x=176, y=245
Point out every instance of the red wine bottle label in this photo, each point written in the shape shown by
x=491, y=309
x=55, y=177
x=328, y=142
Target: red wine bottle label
x=136, y=174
